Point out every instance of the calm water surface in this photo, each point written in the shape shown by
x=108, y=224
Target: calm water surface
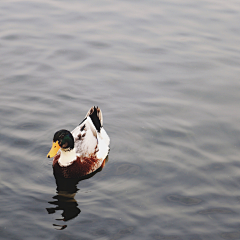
x=166, y=76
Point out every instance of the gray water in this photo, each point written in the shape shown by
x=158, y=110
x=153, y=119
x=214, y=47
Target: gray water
x=166, y=76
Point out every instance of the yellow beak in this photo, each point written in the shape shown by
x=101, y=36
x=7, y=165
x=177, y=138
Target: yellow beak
x=54, y=149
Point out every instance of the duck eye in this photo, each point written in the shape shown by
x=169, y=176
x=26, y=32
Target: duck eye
x=65, y=145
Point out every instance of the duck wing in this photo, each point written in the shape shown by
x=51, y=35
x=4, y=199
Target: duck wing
x=90, y=137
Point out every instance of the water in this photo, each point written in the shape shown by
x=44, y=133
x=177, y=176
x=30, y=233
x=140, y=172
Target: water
x=166, y=76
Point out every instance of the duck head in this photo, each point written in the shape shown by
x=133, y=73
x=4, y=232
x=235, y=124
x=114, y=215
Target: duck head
x=62, y=139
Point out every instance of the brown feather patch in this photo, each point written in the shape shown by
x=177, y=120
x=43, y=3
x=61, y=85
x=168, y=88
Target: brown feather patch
x=82, y=166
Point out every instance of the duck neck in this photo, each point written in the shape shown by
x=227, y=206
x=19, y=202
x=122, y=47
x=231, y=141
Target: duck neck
x=67, y=157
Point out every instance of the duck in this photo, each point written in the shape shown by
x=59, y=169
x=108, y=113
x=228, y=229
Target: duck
x=83, y=151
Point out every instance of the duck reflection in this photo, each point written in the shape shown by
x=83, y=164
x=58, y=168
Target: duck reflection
x=65, y=198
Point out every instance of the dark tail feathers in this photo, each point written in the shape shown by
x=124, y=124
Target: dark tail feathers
x=95, y=114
